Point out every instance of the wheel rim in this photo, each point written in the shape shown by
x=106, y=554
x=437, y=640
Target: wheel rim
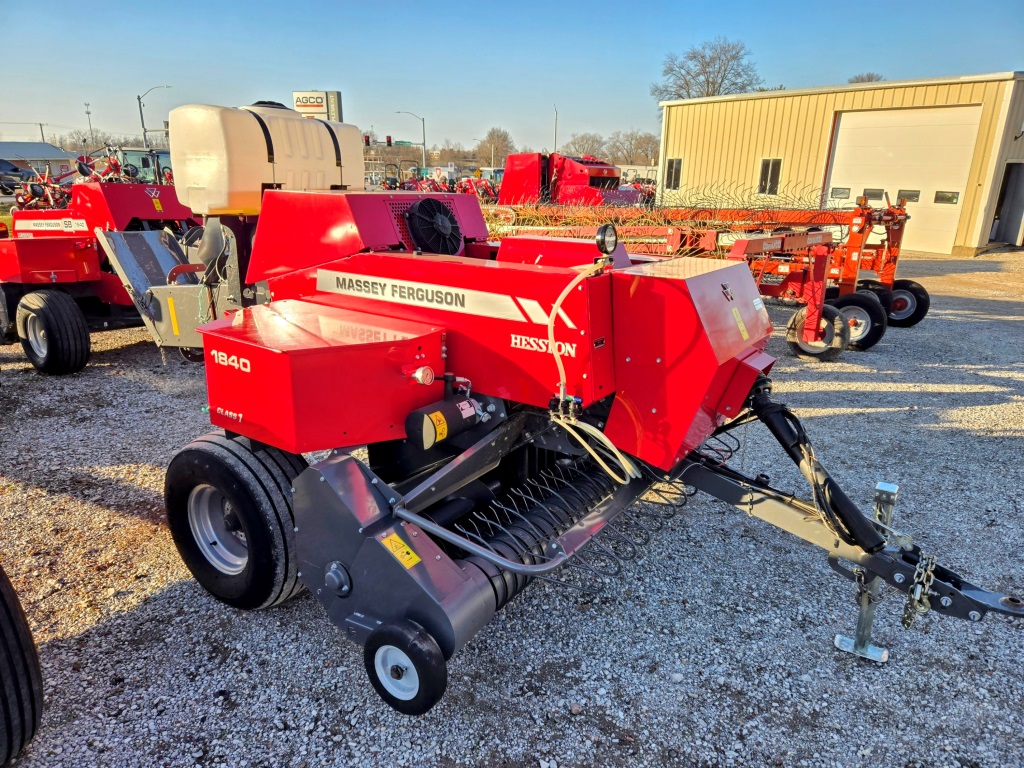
x=859, y=322
x=216, y=530
x=826, y=339
x=35, y=331
x=396, y=672
x=903, y=305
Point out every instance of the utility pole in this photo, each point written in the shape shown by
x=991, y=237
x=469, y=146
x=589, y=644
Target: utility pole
x=88, y=114
x=423, y=124
x=41, y=136
x=142, y=118
x=555, y=147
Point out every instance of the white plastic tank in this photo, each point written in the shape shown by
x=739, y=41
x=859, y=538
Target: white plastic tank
x=225, y=157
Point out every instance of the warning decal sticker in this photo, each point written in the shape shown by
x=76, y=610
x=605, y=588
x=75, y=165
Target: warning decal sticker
x=403, y=554
x=739, y=323
x=440, y=425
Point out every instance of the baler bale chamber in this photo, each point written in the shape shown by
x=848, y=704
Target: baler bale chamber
x=534, y=410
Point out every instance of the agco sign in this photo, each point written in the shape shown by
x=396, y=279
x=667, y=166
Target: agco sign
x=320, y=104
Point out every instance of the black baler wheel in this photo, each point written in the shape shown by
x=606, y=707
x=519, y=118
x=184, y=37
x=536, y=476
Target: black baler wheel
x=53, y=332
x=406, y=667
x=230, y=512
x=866, y=318
x=836, y=335
x=21, y=683
x=910, y=303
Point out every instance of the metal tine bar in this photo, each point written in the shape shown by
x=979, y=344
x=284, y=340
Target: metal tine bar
x=472, y=536
x=632, y=549
x=581, y=588
x=564, y=483
x=626, y=522
x=639, y=508
x=541, y=536
x=613, y=524
x=567, y=507
x=581, y=562
x=526, y=548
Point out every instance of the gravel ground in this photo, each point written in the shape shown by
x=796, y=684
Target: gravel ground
x=715, y=650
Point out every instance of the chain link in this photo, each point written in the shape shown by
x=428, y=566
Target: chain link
x=917, y=596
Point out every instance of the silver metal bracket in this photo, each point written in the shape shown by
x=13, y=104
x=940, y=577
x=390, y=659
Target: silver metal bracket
x=868, y=591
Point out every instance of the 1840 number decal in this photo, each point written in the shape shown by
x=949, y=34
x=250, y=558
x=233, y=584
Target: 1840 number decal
x=233, y=361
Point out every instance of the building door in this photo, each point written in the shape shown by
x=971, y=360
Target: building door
x=923, y=154
x=1009, y=223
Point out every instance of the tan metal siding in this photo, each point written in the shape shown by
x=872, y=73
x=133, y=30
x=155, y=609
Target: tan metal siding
x=723, y=142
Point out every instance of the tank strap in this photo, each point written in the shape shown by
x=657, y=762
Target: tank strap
x=334, y=140
x=266, y=135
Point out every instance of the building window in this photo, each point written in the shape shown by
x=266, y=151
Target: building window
x=947, y=198
x=769, y=181
x=840, y=193
x=910, y=195
x=673, y=174
x=874, y=194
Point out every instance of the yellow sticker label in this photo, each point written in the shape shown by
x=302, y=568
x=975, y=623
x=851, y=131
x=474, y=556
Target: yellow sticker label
x=174, y=315
x=440, y=425
x=400, y=550
x=157, y=204
x=739, y=323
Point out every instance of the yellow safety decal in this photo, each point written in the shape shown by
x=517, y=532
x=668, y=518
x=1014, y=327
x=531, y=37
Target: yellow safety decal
x=157, y=204
x=400, y=550
x=739, y=323
x=174, y=316
x=440, y=425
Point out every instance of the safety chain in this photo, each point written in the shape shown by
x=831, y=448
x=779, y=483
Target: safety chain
x=917, y=595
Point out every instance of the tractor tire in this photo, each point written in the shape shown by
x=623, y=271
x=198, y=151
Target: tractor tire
x=53, y=332
x=878, y=289
x=836, y=335
x=229, y=508
x=910, y=303
x=831, y=294
x=866, y=318
x=21, y=682
x=406, y=667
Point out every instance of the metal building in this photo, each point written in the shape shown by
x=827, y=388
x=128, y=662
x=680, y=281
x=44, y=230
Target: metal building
x=953, y=147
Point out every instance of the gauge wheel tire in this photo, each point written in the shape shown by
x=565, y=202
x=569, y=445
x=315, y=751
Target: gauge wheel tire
x=21, y=682
x=865, y=316
x=191, y=354
x=53, y=332
x=831, y=294
x=910, y=303
x=879, y=289
x=836, y=335
x=406, y=667
x=229, y=508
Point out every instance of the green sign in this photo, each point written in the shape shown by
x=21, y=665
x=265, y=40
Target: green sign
x=402, y=143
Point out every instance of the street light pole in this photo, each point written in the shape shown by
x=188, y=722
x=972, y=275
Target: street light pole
x=423, y=124
x=142, y=118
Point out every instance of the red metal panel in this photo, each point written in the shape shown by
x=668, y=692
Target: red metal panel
x=670, y=377
x=298, y=230
x=40, y=260
x=305, y=377
x=520, y=184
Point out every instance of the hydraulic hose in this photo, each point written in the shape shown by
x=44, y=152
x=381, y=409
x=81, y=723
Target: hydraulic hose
x=786, y=428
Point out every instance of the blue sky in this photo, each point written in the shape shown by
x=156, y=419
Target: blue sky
x=463, y=66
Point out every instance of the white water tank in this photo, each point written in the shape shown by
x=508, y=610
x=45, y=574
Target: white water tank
x=225, y=157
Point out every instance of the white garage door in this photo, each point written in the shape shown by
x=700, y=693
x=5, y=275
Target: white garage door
x=922, y=153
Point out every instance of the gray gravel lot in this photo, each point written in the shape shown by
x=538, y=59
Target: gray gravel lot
x=714, y=650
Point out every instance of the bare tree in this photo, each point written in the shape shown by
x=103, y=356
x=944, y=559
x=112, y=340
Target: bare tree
x=580, y=144
x=632, y=147
x=866, y=77
x=82, y=141
x=497, y=144
x=713, y=68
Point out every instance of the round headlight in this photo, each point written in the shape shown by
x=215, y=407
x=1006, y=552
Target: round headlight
x=607, y=239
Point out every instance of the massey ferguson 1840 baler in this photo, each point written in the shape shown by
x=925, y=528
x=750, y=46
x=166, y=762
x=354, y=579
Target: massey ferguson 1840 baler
x=530, y=410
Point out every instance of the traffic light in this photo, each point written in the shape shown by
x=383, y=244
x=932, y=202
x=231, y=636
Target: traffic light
x=366, y=141
x=387, y=140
